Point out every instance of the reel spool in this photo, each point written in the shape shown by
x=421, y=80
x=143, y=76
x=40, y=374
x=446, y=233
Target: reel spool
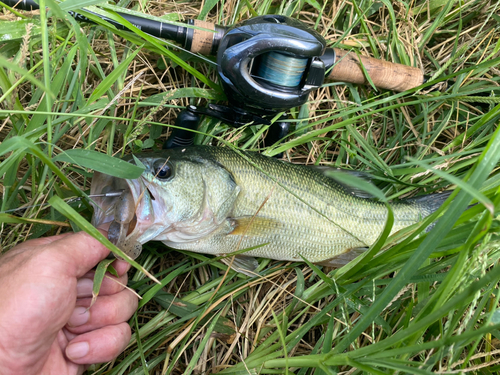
x=271, y=63
x=281, y=70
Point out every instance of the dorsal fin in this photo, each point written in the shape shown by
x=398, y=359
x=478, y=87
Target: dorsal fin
x=328, y=171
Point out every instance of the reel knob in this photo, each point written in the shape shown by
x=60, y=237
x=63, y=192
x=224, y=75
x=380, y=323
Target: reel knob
x=270, y=63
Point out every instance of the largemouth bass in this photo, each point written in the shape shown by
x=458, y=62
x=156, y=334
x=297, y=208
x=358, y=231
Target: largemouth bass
x=213, y=200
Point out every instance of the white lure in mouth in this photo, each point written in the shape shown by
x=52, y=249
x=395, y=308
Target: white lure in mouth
x=123, y=212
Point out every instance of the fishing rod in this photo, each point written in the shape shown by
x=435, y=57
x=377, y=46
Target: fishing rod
x=268, y=63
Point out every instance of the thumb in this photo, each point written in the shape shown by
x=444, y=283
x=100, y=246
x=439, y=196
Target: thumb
x=79, y=252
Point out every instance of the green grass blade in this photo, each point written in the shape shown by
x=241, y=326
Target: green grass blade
x=100, y=162
x=112, y=77
x=155, y=289
x=489, y=158
x=463, y=185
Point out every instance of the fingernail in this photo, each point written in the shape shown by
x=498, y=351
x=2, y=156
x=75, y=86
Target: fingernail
x=79, y=317
x=84, y=288
x=77, y=350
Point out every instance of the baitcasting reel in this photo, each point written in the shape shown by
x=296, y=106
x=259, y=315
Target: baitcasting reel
x=271, y=63
x=267, y=65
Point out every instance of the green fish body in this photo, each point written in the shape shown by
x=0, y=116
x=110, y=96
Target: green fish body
x=214, y=200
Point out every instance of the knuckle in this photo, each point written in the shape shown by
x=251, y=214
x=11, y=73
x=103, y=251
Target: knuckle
x=112, y=310
x=119, y=339
x=134, y=302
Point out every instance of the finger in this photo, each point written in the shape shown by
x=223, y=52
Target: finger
x=30, y=245
x=54, y=366
x=110, y=285
x=77, y=253
x=42, y=241
x=107, y=310
x=101, y=345
x=69, y=336
x=121, y=266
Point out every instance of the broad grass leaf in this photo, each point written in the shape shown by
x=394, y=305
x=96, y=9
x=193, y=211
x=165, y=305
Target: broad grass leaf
x=100, y=162
x=17, y=29
x=314, y=4
x=100, y=274
x=429, y=6
x=173, y=304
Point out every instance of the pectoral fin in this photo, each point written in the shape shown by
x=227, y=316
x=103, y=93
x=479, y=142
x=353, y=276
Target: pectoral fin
x=344, y=258
x=253, y=226
x=241, y=263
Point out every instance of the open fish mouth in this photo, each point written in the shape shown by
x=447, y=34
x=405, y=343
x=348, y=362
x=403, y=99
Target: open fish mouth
x=126, y=205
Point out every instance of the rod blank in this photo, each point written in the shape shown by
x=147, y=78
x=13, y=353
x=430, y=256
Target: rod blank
x=155, y=28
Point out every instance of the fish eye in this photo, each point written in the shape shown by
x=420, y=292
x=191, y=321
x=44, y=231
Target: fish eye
x=162, y=170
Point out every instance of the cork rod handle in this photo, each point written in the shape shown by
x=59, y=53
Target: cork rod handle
x=203, y=39
x=384, y=75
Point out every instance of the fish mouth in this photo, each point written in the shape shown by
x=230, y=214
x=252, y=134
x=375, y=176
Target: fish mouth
x=125, y=208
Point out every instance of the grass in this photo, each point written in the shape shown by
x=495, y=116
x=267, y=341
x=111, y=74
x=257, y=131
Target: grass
x=413, y=305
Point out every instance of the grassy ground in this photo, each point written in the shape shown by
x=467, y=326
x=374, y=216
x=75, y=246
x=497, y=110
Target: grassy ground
x=419, y=306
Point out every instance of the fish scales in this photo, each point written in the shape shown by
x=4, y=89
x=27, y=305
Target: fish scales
x=313, y=215
x=217, y=201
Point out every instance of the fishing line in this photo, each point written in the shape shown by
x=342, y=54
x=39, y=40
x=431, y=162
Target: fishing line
x=280, y=69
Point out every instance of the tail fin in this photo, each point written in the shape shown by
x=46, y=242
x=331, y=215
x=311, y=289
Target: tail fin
x=430, y=203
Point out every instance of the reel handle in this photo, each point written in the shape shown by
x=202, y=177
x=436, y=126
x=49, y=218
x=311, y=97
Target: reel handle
x=384, y=74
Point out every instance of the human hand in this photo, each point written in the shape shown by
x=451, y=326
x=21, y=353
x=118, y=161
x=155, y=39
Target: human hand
x=45, y=290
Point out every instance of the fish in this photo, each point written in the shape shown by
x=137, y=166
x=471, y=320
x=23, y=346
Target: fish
x=215, y=200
